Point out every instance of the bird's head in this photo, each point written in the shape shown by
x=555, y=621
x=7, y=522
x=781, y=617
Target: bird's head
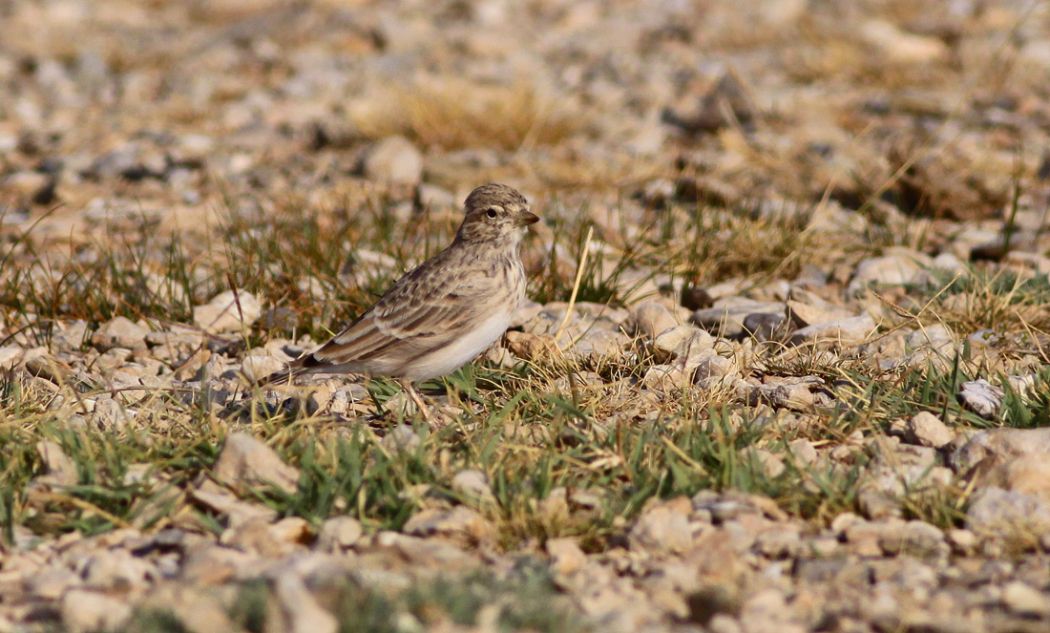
x=495, y=213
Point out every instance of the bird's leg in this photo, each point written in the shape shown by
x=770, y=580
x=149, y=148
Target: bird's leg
x=407, y=384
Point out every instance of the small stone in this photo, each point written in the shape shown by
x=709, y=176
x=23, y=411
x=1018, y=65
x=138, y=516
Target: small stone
x=531, y=346
x=460, y=523
x=566, y=555
x=765, y=327
x=89, y=611
x=302, y=613
x=894, y=269
x=981, y=397
x=117, y=570
x=120, y=332
x=227, y=312
x=434, y=197
x=994, y=447
x=339, y=533
x=223, y=502
x=803, y=451
x=899, y=46
x=473, y=485
x=962, y=541
x=695, y=298
x=926, y=429
x=51, y=582
x=402, y=438
x=27, y=185
x=1028, y=473
x=771, y=465
x=1024, y=600
x=245, y=461
x=995, y=512
x=319, y=399
x=664, y=528
x=651, y=318
x=10, y=356
x=60, y=470
x=259, y=366
x=841, y=332
x=728, y=315
x=683, y=342
x=395, y=160
x=803, y=314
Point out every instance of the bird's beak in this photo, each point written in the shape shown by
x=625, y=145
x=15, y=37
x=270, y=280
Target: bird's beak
x=527, y=217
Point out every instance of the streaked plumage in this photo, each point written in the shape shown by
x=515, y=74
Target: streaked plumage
x=442, y=314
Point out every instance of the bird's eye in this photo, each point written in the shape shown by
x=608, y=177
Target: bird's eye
x=491, y=213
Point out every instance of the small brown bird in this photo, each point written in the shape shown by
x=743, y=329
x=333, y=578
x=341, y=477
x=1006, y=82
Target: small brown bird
x=444, y=313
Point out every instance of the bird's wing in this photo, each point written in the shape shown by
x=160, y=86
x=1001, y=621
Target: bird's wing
x=426, y=309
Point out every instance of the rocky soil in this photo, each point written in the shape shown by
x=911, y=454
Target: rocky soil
x=784, y=365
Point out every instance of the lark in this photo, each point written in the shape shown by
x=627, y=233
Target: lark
x=444, y=313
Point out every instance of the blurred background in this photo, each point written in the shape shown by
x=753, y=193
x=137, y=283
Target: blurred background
x=169, y=109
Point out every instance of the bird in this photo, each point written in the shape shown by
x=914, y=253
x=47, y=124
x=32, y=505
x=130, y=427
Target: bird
x=445, y=312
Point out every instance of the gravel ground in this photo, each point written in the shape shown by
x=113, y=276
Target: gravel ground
x=784, y=365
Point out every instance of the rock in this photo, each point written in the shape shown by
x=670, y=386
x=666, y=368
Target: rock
x=770, y=464
x=683, y=342
x=434, y=197
x=926, y=429
x=695, y=298
x=666, y=377
x=999, y=513
x=727, y=317
x=339, y=533
x=981, y=397
x=120, y=332
x=402, y=438
x=894, y=269
x=29, y=185
x=395, y=160
x=651, y=318
x=10, y=356
x=767, y=610
x=59, y=469
x=600, y=343
x=247, y=462
x=459, y=523
x=766, y=327
x=841, y=332
x=259, y=366
x=227, y=312
x=1029, y=474
x=51, y=582
x=663, y=528
x=794, y=393
x=90, y=611
x=531, y=346
x=727, y=102
x=899, y=46
x=302, y=613
x=473, y=485
x=566, y=555
x=116, y=570
x=803, y=451
x=804, y=314
x=988, y=449
x=1024, y=600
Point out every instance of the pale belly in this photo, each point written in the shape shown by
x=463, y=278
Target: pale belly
x=460, y=352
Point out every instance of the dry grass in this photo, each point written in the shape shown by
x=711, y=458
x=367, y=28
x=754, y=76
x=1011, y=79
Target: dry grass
x=453, y=113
